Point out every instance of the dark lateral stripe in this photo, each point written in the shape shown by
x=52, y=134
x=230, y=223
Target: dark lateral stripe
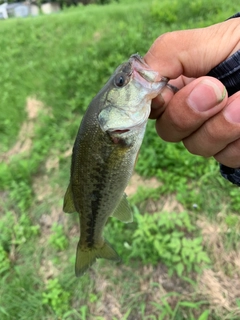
x=95, y=206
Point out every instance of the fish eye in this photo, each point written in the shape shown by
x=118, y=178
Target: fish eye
x=119, y=80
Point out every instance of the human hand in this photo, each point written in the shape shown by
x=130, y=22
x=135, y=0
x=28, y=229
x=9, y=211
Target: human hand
x=200, y=113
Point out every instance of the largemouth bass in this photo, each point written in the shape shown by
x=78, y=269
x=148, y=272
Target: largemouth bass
x=104, y=154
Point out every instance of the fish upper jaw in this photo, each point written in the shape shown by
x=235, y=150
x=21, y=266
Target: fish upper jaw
x=147, y=77
x=153, y=88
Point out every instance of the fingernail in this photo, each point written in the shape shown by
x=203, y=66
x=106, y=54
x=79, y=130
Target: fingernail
x=232, y=112
x=206, y=95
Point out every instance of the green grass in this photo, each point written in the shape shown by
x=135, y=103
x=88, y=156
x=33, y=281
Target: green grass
x=63, y=60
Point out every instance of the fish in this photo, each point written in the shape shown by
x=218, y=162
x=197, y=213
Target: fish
x=104, y=154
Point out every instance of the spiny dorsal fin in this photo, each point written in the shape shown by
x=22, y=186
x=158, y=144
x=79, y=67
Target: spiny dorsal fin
x=123, y=211
x=68, y=204
x=86, y=258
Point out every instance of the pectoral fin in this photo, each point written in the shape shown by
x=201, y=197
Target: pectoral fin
x=123, y=211
x=68, y=204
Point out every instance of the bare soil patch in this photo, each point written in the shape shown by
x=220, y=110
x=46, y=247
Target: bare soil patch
x=24, y=140
x=221, y=284
x=137, y=181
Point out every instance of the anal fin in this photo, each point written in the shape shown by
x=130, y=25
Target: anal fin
x=123, y=211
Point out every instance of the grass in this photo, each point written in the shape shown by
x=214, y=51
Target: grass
x=63, y=60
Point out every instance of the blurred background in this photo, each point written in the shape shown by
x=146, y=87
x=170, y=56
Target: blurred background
x=180, y=256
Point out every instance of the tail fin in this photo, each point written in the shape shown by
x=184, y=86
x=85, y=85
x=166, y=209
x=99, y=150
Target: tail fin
x=86, y=259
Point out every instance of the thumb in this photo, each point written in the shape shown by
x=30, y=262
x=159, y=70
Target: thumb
x=195, y=52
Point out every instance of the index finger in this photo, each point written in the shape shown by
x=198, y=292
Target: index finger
x=194, y=53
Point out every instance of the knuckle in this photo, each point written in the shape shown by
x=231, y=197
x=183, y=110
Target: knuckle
x=170, y=36
x=204, y=142
x=192, y=147
x=230, y=156
x=210, y=133
x=181, y=122
x=168, y=39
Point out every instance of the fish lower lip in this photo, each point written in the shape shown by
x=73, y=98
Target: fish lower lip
x=119, y=131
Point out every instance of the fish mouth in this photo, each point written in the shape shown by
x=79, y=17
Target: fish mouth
x=145, y=75
x=117, y=131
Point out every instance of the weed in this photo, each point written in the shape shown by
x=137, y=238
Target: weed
x=21, y=195
x=4, y=261
x=16, y=230
x=58, y=239
x=235, y=199
x=55, y=297
x=232, y=220
x=162, y=237
x=23, y=230
x=177, y=13
x=84, y=312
